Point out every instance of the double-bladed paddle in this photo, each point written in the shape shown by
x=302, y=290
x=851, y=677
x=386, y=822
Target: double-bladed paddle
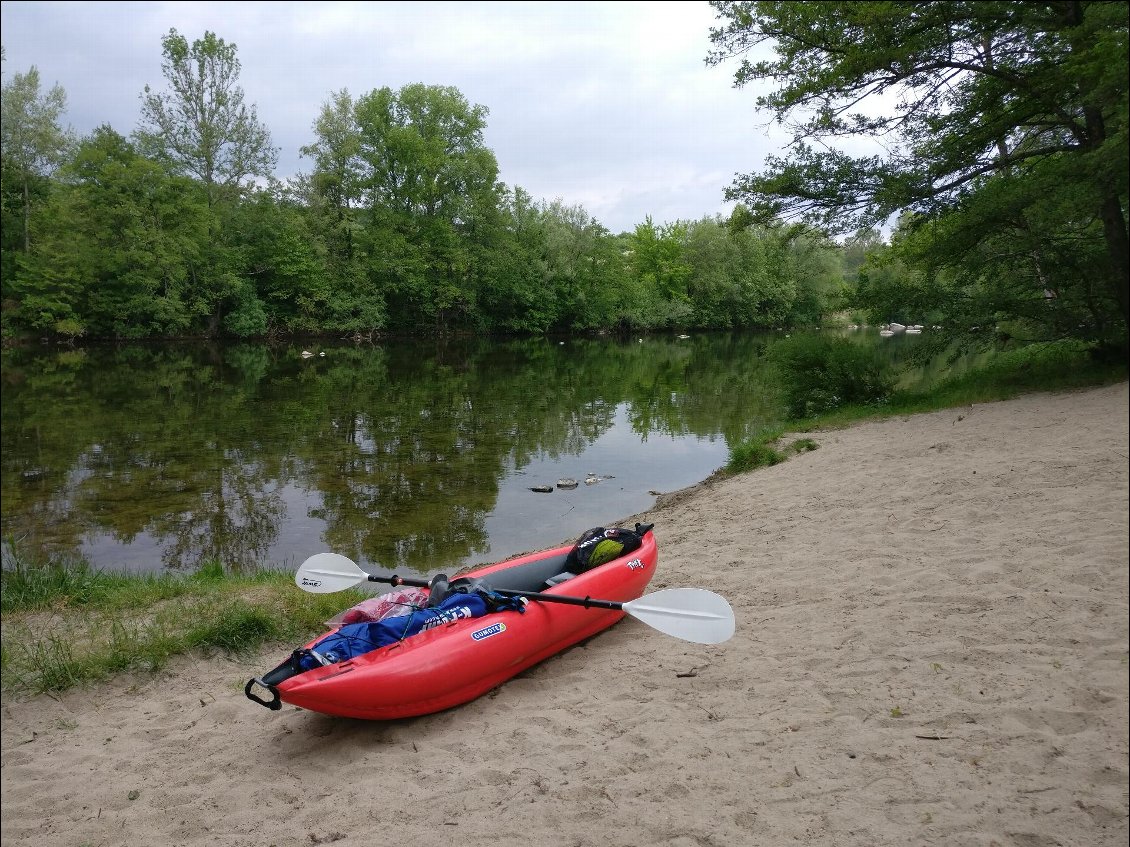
x=692, y=614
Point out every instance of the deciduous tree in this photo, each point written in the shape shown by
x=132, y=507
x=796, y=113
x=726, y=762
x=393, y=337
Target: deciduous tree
x=201, y=125
x=118, y=245
x=32, y=140
x=430, y=184
x=1025, y=102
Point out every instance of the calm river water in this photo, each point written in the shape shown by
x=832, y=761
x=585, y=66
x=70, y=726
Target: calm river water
x=404, y=456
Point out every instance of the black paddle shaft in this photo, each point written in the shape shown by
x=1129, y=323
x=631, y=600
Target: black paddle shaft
x=587, y=602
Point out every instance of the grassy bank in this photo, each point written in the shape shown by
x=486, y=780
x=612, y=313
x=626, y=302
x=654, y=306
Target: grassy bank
x=65, y=624
x=1042, y=368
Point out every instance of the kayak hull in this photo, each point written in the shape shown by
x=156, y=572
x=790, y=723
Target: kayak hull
x=459, y=661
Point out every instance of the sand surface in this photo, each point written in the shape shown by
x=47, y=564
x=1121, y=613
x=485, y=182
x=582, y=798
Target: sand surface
x=931, y=649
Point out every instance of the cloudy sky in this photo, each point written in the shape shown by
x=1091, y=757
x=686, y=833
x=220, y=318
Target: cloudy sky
x=609, y=106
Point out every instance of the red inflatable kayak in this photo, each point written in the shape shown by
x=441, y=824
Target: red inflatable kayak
x=459, y=660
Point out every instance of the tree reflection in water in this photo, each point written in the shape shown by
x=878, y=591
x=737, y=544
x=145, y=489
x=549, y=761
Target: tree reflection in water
x=394, y=454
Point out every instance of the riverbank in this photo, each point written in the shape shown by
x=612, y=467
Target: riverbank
x=931, y=649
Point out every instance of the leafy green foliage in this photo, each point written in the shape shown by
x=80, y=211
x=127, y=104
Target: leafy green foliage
x=33, y=144
x=428, y=183
x=657, y=260
x=285, y=282
x=401, y=227
x=117, y=247
x=1055, y=366
x=1008, y=143
x=821, y=373
x=201, y=126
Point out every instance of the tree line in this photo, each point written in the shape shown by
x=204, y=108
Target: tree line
x=1004, y=164
x=401, y=226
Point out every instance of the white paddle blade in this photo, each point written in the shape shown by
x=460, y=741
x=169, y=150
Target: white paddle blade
x=693, y=614
x=325, y=573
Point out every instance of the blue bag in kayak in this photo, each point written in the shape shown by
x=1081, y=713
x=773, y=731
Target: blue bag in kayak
x=358, y=638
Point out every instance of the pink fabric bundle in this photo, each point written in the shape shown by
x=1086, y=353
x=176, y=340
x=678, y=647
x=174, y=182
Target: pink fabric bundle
x=386, y=606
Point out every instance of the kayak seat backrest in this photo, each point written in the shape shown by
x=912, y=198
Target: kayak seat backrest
x=528, y=577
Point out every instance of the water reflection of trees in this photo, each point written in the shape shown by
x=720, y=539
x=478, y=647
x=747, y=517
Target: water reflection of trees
x=405, y=444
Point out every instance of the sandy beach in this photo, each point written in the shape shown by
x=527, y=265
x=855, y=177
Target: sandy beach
x=931, y=649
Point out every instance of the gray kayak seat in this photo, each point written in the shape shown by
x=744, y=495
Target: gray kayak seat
x=534, y=576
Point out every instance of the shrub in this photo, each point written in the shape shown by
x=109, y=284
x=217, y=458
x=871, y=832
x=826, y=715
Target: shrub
x=820, y=373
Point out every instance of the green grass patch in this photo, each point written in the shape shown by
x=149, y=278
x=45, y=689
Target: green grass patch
x=65, y=624
x=1061, y=366
x=755, y=454
x=764, y=452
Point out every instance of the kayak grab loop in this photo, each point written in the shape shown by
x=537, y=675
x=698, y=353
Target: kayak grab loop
x=274, y=704
x=292, y=666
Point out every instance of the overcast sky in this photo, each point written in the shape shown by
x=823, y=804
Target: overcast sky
x=609, y=106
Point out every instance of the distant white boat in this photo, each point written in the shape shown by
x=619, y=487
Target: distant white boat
x=896, y=327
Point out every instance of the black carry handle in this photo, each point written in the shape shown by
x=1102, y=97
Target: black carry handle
x=274, y=704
